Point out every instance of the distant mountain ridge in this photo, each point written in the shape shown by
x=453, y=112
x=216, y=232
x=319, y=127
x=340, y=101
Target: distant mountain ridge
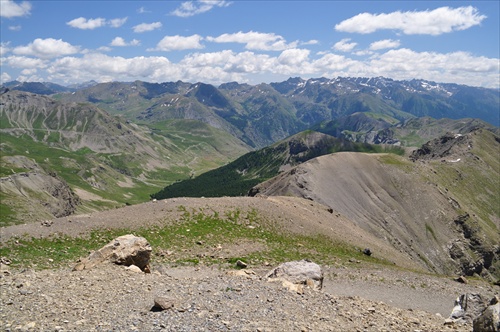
x=262, y=114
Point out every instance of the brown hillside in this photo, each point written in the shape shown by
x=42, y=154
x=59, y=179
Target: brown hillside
x=413, y=206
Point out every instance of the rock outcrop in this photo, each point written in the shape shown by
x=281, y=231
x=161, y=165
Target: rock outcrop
x=489, y=320
x=124, y=250
x=300, y=273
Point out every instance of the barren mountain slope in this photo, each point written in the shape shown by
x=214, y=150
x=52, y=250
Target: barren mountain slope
x=411, y=205
x=387, y=202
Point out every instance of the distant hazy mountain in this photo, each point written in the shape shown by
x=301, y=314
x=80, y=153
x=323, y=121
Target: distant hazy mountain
x=263, y=114
x=41, y=88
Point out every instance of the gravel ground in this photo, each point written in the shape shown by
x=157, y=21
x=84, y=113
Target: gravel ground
x=111, y=298
x=355, y=297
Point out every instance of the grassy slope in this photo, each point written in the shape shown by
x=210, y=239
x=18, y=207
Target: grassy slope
x=182, y=237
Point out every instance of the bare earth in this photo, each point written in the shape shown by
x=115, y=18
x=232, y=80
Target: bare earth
x=355, y=296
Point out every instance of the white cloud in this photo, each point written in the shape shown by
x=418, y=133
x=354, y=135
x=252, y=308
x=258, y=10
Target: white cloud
x=46, y=48
x=9, y=8
x=4, y=48
x=143, y=10
x=191, y=8
x=143, y=27
x=117, y=22
x=293, y=57
x=255, y=40
x=384, y=44
x=452, y=63
x=4, y=77
x=178, y=43
x=104, y=49
x=29, y=72
x=229, y=61
x=227, y=65
x=87, y=24
x=310, y=42
x=430, y=22
x=333, y=63
x=103, y=68
x=15, y=28
x=345, y=45
x=23, y=62
x=94, y=23
x=119, y=41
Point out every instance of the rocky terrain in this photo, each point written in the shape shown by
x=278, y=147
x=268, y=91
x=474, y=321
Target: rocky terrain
x=356, y=295
x=111, y=298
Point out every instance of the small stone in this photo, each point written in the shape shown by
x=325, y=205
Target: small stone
x=5, y=260
x=30, y=325
x=241, y=264
x=133, y=268
x=367, y=252
x=163, y=303
x=462, y=280
x=449, y=321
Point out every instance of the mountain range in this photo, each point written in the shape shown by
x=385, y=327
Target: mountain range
x=260, y=115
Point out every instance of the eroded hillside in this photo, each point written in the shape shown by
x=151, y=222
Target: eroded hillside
x=103, y=161
x=442, y=212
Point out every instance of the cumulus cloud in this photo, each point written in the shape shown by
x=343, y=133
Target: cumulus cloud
x=94, y=23
x=228, y=65
x=229, y=61
x=24, y=62
x=384, y=44
x=117, y=22
x=29, y=72
x=143, y=27
x=9, y=8
x=87, y=24
x=310, y=42
x=429, y=22
x=345, y=45
x=191, y=8
x=4, y=48
x=46, y=48
x=5, y=77
x=293, y=57
x=178, y=43
x=119, y=41
x=255, y=40
x=413, y=62
x=104, y=68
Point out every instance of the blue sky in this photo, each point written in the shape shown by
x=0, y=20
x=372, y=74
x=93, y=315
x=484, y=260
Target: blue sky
x=249, y=41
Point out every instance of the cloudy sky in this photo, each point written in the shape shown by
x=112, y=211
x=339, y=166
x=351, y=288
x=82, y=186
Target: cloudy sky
x=249, y=41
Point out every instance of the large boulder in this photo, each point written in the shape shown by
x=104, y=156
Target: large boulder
x=300, y=273
x=467, y=307
x=124, y=250
x=489, y=320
